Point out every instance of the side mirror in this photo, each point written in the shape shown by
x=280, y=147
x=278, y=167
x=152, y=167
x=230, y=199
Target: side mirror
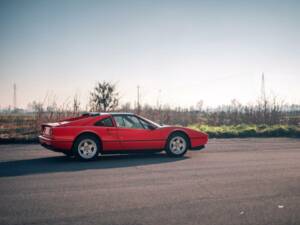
x=151, y=127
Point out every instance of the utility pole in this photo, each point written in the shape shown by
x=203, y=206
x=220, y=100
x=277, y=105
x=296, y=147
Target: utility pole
x=158, y=105
x=15, y=96
x=158, y=100
x=138, y=99
x=263, y=98
x=263, y=89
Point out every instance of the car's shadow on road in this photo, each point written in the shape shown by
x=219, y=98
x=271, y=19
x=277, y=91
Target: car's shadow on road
x=66, y=164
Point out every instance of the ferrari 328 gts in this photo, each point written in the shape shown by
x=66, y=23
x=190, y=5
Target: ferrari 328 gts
x=92, y=134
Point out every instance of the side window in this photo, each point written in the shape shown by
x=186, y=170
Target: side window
x=133, y=122
x=128, y=122
x=145, y=124
x=107, y=122
x=119, y=121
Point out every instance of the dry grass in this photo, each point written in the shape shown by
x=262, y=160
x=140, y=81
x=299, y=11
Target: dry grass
x=16, y=128
x=246, y=130
x=24, y=128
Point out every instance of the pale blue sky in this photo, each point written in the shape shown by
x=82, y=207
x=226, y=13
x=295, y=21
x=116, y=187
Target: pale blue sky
x=213, y=51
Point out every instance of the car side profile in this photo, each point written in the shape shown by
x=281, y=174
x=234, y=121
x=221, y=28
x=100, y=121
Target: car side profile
x=92, y=134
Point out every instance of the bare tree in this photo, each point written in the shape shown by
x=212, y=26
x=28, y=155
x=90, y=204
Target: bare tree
x=76, y=104
x=104, y=97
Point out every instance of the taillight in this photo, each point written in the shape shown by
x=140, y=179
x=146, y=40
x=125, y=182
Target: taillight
x=47, y=131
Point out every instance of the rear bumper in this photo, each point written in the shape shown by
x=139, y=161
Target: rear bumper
x=55, y=145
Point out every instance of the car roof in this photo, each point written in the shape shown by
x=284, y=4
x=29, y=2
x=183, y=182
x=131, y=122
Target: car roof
x=120, y=113
x=106, y=113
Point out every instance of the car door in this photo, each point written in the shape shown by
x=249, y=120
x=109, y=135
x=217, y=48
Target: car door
x=108, y=133
x=135, y=135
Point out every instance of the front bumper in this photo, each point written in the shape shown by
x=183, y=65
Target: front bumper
x=198, y=143
x=198, y=147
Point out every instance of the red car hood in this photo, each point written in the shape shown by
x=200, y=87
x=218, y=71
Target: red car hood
x=190, y=132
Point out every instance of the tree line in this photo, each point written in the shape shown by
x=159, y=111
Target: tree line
x=105, y=97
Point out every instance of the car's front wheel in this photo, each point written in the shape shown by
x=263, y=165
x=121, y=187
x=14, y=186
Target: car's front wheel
x=177, y=145
x=86, y=148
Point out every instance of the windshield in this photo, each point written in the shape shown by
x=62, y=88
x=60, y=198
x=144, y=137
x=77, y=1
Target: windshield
x=149, y=121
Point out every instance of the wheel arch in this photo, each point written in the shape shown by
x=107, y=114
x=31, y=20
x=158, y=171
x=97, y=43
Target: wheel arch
x=179, y=132
x=88, y=133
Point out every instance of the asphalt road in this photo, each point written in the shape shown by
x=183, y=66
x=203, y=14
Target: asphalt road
x=234, y=181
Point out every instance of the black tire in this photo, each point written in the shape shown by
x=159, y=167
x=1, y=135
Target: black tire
x=87, y=152
x=182, y=144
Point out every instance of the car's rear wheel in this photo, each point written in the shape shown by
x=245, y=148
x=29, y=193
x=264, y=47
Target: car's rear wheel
x=86, y=148
x=177, y=145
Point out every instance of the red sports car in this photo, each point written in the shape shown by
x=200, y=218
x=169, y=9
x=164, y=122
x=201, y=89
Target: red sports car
x=92, y=134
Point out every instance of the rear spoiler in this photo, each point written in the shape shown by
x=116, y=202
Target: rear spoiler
x=91, y=114
x=70, y=119
x=47, y=125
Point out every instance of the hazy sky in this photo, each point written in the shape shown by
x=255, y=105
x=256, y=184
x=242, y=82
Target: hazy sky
x=213, y=51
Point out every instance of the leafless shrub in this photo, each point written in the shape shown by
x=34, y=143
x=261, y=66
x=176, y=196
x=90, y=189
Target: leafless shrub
x=271, y=111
